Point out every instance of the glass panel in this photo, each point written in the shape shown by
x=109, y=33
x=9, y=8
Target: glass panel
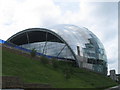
x=55, y=49
x=89, y=45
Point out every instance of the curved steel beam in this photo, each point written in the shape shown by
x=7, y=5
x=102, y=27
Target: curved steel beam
x=44, y=30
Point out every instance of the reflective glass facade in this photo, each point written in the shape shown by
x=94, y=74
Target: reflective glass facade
x=66, y=42
x=55, y=49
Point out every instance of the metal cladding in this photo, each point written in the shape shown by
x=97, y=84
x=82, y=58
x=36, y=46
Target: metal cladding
x=67, y=42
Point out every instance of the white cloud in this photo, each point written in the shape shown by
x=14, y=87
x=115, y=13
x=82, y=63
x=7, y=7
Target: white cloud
x=30, y=13
x=112, y=53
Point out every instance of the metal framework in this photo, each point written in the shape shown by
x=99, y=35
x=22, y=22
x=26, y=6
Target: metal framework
x=78, y=43
x=43, y=30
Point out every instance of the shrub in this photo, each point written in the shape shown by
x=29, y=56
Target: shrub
x=118, y=79
x=33, y=52
x=44, y=60
x=55, y=63
x=67, y=72
x=71, y=70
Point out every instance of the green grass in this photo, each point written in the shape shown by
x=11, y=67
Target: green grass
x=33, y=71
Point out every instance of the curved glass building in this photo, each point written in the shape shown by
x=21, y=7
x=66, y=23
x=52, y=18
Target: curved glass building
x=67, y=42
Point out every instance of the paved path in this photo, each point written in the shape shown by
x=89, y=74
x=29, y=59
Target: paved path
x=114, y=88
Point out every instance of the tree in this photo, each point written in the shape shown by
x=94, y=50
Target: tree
x=33, y=52
x=67, y=72
x=55, y=63
x=119, y=79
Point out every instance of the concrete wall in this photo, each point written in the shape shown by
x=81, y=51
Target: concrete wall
x=14, y=82
x=82, y=61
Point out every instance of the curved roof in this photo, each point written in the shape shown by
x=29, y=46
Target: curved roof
x=77, y=36
x=72, y=35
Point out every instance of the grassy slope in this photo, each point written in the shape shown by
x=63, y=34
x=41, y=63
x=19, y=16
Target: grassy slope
x=34, y=71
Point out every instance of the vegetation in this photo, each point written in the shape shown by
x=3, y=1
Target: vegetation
x=62, y=76
x=119, y=80
x=66, y=72
x=33, y=52
x=44, y=60
x=55, y=63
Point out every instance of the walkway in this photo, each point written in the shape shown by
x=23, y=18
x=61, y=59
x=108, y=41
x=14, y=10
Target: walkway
x=114, y=88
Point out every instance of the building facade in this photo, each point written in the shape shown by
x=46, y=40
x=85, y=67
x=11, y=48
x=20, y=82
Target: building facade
x=67, y=42
x=114, y=76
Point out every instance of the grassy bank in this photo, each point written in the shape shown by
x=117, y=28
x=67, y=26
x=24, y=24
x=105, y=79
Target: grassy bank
x=34, y=71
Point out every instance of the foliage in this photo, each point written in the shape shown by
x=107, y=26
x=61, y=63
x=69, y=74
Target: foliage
x=118, y=79
x=44, y=60
x=55, y=63
x=33, y=52
x=66, y=72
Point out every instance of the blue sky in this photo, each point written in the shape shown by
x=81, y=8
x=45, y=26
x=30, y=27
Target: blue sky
x=99, y=17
